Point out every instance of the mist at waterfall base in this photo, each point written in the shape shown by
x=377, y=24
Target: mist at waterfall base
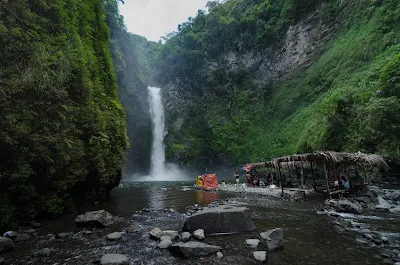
x=159, y=169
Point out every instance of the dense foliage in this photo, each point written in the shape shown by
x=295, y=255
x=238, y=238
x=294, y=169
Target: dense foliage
x=62, y=129
x=134, y=61
x=348, y=99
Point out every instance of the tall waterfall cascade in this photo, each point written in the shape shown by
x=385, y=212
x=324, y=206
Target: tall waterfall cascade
x=157, y=169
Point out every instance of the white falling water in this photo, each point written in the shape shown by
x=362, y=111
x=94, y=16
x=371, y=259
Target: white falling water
x=157, y=169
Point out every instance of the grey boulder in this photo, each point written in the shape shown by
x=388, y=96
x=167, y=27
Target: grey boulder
x=253, y=243
x=199, y=234
x=222, y=219
x=186, y=236
x=346, y=206
x=165, y=242
x=260, y=255
x=99, y=218
x=156, y=233
x=114, y=236
x=6, y=244
x=193, y=249
x=273, y=238
x=114, y=259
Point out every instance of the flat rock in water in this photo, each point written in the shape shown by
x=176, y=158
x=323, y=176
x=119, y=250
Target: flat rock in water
x=221, y=219
x=253, y=243
x=199, y=234
x=260, y=255
x=156, y=233
x=186, y=236
x=114, y=259
x=45, y=252
x=6, y=244
x=193, y=249
x=99, y=218
x=273, y=238
x=114, y=236
x=165, y=242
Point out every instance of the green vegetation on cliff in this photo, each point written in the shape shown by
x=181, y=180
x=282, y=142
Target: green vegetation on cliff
x=62, y=129
x=346, y=99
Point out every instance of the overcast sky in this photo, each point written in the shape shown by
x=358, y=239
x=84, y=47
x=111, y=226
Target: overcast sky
x=155, y=18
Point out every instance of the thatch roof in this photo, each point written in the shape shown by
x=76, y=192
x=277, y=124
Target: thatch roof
x=330, y=158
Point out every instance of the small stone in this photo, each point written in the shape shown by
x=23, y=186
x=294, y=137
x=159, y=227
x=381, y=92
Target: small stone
x=131, y=230
x=10, y=234
x=21, y=237
x=43, y=252
x=62, y=235
x=146, y=210
x=114, y=259
x=199, y=234
x=165, y=242
x=385, y=240
x=362, y=241
x=171, y=210
x=185, y=236
x=368, y=236
x=87, y=232
x=377, y=241
x=31, y=231
x=156, y=233
x=260, y=255
x=35, y=224
x=220, y=255
x=171, y=233
x=114, y=236
x=253, y=243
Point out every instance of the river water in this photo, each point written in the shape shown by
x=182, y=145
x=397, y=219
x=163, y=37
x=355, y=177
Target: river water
x=309, y=238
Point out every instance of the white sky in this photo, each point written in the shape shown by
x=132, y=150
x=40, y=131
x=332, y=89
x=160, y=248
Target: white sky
x=155, y=18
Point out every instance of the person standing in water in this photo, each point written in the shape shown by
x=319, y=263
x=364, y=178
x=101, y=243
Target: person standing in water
x=236, y=176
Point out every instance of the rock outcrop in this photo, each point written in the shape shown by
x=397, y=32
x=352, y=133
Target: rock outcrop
x=99, y=218
x=222, y=219
x=273, y=238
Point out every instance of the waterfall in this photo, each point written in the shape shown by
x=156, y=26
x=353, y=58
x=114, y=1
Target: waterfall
x=157, y=169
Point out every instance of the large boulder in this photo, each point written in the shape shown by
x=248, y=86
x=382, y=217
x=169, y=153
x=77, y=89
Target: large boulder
x=273, y=238
x=6, y=244
x=222, y=219
x=99, y=218
x=193, y=249
x=114, y=259
x=346, y=206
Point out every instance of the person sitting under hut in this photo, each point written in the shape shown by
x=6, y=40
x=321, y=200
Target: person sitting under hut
x=345, y=183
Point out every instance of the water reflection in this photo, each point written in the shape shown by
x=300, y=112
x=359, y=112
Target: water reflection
x=205, y=197
x=157, y=197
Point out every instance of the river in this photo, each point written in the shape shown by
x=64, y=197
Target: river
x=309, y=238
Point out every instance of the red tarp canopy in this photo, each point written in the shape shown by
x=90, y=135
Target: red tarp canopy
x=210, y=181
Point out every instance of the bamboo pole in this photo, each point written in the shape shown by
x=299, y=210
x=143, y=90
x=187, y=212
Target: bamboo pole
x=327, y=180
x=302, y=176
x=280, y=174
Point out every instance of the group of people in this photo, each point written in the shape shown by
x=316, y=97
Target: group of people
x=253, y=180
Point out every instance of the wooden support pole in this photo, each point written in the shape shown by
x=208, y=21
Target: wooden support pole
x=327, y=180
x=313, y=177
x=302, y=176
x=280, y=174
x=365, y=176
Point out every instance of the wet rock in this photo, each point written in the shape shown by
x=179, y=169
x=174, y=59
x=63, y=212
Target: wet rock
x=35, y=224
x=31, y=231
x=362, y=241
x=10, y=234
x=62, y=235
x=21, y=238
x=185, y=236
x=260, y=255
x=114, y=259
x=219, y=255
x=146, y=210
x=87, y=232
x=368, y=236
x=156, y=233
x=99, y=218
x=193, y=249
x=114, y=236
x=165, y=242
x=199, y=234
x=383, y=205
x=171, y=210
x=221, y=219
x=273, y=238
x=253, y=243
x=356, y=224
x=45, y=252
x=131, y=230
x=395, y=209
x=334, y=214
x=2, y=261
x=174, y=235
x=346, y=206
x=377, y=241
x=322, y=211
x=385, y=240
x=6, y=244
x=387, y=261
x=394, y=195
